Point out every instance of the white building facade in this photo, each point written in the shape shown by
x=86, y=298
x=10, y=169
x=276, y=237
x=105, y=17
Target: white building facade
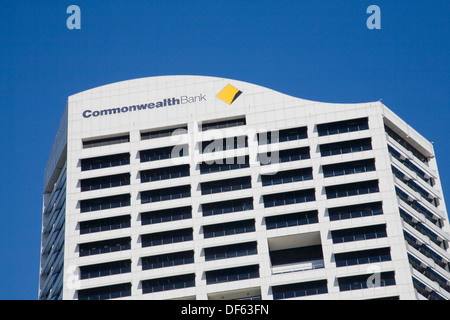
x=192, y=187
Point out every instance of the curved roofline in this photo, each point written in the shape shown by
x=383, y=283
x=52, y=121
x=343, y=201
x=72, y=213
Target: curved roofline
x=216, y=78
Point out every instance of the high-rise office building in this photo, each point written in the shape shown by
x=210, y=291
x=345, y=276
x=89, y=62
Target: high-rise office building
x=191, y=187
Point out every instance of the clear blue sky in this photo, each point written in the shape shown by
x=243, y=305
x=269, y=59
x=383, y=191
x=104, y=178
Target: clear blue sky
x=318, y=50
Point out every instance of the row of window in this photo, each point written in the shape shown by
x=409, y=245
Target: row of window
x=409, y=164
x=337, y=148
x=167, y=237
x=166, y=194
x=279, y=292
x=320, y=286
x=105, y=182
x=414, y=186
x=287, y=198
x=218, y=230
x=354, y=167
x=154, y=134
x=231, y=251
x=165, y=173
x=223, y=124
x=272, y=222
x=239, y=273
x=215, y=187
x=106, y=141
x=176, y=151
x=359, y=234
x=426, y=291
x=352, y=189
x=419, y=226
x=105, y=203
x=429, y=273
x=288, y=176
x=419, y=155
x=159, y=133
x=228, y=185
x=269, y=137
x=282, y=135
x=236, y=274
x=277, y=258
x=424, y=249
x=224, y=144
x=430, y=216
x=345, y=126
x=271, y=200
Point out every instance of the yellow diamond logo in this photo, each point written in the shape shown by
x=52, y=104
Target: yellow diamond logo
x=229, y=94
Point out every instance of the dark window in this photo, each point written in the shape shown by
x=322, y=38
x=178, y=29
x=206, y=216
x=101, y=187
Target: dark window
x=166, y=237
x=105, y=293
x=284, y=156
x=229, y=228
x=166, y=215
x=224, y=144
x=224, y=124
x=224, y=164
x=105, y=224
x=410, y=165
x=352, y=189
x=335, y=148
x=287, y=198
x=358, y=234
x=296, y=255
x=287, y=176
x=282, y=135
x=164, y=153
x=105, y=269
x=429, y=273
x=165, y=173
x=438, y=240
x=166, y=194
x=419, y=155
x=425, y=291
x=413, y=185
x=168, y=260
x=105, y=203
x=229, y=206
x=105, y=162
x=291, y=220
x=365, y=281
x=426, y=251
x=226, y=185
x=105, y=182
x=356, y=211
x=232, y=274
x=106, y=141
x=362, y=257
x=339, y=169
x=299, y=289
x=163, y=133
x=327, y=129
x=169, y=283
x=106, y=246
x=418, y=207
x=231, y=251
